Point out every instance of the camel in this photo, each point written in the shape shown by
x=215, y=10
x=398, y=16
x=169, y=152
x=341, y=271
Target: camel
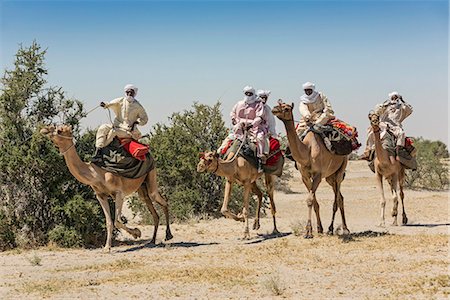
x=239, y=170
x=107, y=184
x=315, y=162
x=392, y=170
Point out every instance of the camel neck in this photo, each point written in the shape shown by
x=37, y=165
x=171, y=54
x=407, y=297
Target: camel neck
x=298, y=149
x=225, y=169
x=380, y=152
x=79, y=169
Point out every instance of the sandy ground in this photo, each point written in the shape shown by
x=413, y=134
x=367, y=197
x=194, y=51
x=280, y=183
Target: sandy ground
x=207, y=258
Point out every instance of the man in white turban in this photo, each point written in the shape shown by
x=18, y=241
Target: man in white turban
x=392, y=112
x=314, y=108
x=249, y=114
x=129, y=113
x=263, y=95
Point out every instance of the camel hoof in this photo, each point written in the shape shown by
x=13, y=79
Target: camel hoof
x=319, y=229
x=394, y=223
x=405, y=220
x=330, y=230
x=136, y=233
x=345, y=231
x=256, y=226
x=382, y=224
x=169, y=236
x=308, y=236
x=106, y=249
x=275, y=232
x=152, y=242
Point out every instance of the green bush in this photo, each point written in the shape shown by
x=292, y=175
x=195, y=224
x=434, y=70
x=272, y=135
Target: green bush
x=65, y=237
x=432, y=171
x=7, y=236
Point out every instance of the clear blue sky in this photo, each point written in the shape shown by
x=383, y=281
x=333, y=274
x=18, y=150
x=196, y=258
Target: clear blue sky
x=178, y=52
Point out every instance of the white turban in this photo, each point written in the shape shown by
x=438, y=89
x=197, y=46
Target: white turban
x=393, y=94
x=309, y=85
x=252, y=98
x=263, y=93
x=249, y=89
x=131, y=87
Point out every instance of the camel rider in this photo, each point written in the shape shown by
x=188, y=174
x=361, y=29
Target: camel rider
x=314, y=108
x=263, y=95
x=392, y=112
x=129, y=113
x=249, y=114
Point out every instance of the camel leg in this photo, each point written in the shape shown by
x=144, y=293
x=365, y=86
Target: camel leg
x=226, y=199
x=270, y=181
x=247, y=189
x=310, y=201
x=383, y=200
x=340, y=198
x=317, y=211
x=394, y=190
x=258, y=194
x=332, y=182
x=103, y=199
x=402, y=196
x=118, y=199
x=153, y=192
x=142, y=191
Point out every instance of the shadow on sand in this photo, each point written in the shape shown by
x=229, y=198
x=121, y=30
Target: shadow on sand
x=427, y=225
x=352, y=237
x=264, y=237
x=145, y=244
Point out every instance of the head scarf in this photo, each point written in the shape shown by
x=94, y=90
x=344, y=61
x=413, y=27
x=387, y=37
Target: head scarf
x=393, y=94
x=260, y=93
x=249, y=99
x=130, y=87
x=307, y=99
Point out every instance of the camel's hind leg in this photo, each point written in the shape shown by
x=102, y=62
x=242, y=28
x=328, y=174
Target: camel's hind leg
x=153, y=192
x=247, y=189
x=258, y=194
x=143, y=195
x=119, y=199
x=332, y=182
x=103, y=199
x=402, y=196
x=270, y=185
x=340, y=175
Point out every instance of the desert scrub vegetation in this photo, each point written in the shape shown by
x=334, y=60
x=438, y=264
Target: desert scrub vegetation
x=432, y=166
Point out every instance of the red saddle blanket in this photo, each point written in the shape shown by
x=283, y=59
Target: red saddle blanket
x=137, y=150
x=274, y=150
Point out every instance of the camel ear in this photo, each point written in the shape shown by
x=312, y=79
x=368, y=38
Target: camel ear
x=292, y=104
x=280, y=102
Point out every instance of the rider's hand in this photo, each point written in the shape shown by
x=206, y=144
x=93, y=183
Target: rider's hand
x=102, y=104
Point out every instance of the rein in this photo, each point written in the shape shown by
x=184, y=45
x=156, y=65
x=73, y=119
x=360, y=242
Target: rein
x=66, y=137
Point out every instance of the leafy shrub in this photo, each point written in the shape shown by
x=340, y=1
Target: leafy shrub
x=65, y=237
x=432, y=171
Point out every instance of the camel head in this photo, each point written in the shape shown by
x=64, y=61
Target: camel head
x=374, y=121
x=60, y=135
x=283, y=111
x=206, y=162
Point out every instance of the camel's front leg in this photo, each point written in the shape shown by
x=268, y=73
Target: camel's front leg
x=259, y=195
x=332, y=182
x=103, y=199
x=270, y=181
x=226, y=199
x=394, y=190
x=382, y=200
x=310, y=202
x=119, y=198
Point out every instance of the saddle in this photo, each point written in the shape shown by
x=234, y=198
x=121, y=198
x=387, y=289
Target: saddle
x=275, y=160
x=406, y=153
x=128, y=159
